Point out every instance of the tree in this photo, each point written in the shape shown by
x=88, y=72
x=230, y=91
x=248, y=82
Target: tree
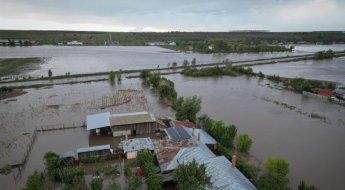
x=35, y=181
x=191, y=176
x=275, y=176
x=193, y=62
x=112, y=76
x=134, y=183
x=119, y=75
x=174, y=65
x=303, y=186
x=50, y=73
x=187, y=108
x=96, y=184
x=243, y=142
x=155, y=79
x=185, y=63
x=167, y=91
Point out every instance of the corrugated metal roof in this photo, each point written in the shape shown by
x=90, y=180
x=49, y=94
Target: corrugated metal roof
x=188, y=124
x=223, y=176
x=177, y=133
x=67, y=154
x=131, y=118
x=205, y=138
x=137, y=144
x=97, y=121
x=93, y=148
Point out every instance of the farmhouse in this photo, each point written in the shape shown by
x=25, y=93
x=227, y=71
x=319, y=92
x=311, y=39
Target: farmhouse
x=134, y=123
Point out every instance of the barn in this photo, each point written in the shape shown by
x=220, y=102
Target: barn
x=135, y=123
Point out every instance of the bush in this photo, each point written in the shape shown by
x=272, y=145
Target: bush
x=243, y=142
x=275, y=176
x=35, y=181
x=134, y=183
x=96, y=184
x=111, y=75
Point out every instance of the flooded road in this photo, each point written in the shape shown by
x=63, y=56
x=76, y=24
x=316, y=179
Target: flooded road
x=327, y=69
x=89, y=59
x=312, y=147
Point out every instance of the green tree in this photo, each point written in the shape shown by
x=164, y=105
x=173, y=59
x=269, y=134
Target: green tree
x=275, y=176
x=111, y=75
x=155, y=79
x=243, y=142
x=187, y=108
x=35, y=181
x=166, y=91
x=193, y=62
x=119, y=75
x=185, y=63
x=191, y=176
x=134, y=183
x=114, y=186
x=96, y=184
x=303, y=186
x=174, y=65
x=50, y=73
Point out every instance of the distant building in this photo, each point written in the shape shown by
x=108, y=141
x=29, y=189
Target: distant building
x=134, y=123
x=74, y=43
x=324, y=92
x=172, y=44
x=102, y=151
x=133, y=146
x=211, y=47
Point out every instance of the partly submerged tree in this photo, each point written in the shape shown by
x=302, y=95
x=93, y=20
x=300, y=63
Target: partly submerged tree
x=111, y=75
x=275, y=176
x=187, y=108
x=303, y=186
x=35, y=181
x=50, y=73
x=243, y=142
x=191, y=176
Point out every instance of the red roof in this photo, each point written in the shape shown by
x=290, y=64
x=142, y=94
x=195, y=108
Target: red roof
x=325, y=92
x=188, y=124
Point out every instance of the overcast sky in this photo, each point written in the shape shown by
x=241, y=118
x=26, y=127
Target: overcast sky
x=173, y=15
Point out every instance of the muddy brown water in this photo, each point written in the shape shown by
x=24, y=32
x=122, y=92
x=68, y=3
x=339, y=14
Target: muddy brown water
x=277, y=120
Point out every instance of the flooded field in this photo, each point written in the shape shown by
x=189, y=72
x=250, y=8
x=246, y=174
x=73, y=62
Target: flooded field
x=279, y=123
x=87, y=59
x=328, y=69
x=65, y=106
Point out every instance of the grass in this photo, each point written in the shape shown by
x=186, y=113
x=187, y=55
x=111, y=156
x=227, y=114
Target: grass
x=14, y=65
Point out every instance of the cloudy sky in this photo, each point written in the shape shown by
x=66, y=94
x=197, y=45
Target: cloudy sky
x=173, y=15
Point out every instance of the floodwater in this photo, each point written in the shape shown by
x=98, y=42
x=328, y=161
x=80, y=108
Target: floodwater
x=327, y=69
x=88, y=59
x=277, y=120
x=278, y=123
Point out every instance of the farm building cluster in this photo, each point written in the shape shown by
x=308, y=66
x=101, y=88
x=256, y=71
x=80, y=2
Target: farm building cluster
x=181, y=142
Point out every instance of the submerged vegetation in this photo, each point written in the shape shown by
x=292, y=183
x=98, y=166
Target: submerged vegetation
x=329, y=54
x=13, y=66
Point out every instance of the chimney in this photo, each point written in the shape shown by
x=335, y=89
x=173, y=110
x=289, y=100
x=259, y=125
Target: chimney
x=199, y=137
x=233, y=161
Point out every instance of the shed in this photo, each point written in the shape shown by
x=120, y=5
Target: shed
x=131, y=147
x=133, y=123
x=97, y=121
x=102, y=151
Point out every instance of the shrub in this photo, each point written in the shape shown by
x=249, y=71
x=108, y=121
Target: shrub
x=243, y=142
x=96, y=184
